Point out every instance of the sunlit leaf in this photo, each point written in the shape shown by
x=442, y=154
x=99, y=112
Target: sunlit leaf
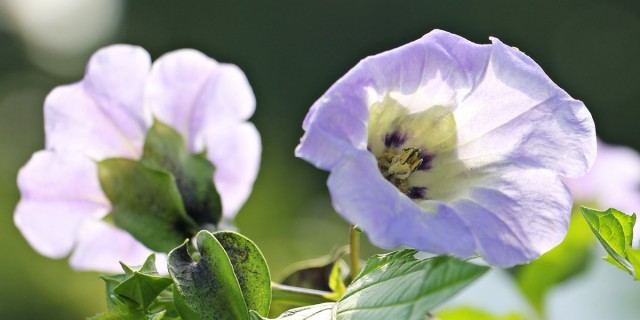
x=336, y=283
x=468, y=313
x=323, y=311
x=399, y=286
x=614, y=230
x=395, y=286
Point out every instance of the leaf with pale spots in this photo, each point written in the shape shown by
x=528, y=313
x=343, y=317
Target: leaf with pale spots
x=230, y=278
x=250, y=269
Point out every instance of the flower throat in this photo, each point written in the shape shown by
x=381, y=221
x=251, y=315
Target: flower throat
x=397, y=166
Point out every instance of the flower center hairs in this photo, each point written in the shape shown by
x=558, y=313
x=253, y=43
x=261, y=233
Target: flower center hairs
x=406, y=141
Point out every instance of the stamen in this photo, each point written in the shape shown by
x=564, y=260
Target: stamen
x=396, y=166
x=404, y=164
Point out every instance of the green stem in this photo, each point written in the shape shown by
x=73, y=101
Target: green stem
x=354, y=252
x=298, y=296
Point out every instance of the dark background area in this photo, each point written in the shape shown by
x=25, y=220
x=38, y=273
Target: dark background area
x=292, y=51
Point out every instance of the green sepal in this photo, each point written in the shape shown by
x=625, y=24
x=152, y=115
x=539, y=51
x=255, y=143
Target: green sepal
x=111, y=282
x=146, y=203
x=165, y=149
x=614, y=230
x=120, y=310
x=143, y=285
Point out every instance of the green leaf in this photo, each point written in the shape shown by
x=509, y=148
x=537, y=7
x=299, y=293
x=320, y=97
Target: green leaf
x=398, y=286
x=209, y=286
x=614, y=230
x=323, y=311
x=467, y=313
x=143, y=285
x=146, y=203
x=185, y=312
x=250, y=269
x=165, y=149
x=633, y=255
x=336, y=282
x=395, y=286
x=377, y=261
x=565, y=261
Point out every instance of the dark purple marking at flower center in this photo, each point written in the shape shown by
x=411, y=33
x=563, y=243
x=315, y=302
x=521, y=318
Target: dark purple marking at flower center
x=426, y=161
x=417, y=192
x=394, y=139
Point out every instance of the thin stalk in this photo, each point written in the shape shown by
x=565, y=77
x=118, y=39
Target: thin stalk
x=298, y=296
x=354, y=252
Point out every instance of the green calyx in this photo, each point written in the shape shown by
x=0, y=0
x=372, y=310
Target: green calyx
x=166, y=196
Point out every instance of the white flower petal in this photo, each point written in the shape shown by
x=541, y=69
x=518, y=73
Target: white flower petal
x=101, y=247
x=103, y=115
x=59, y=192
x=192, y=92
x=235, y=151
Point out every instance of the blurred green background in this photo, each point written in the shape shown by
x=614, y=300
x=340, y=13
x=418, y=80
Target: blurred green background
x=291, y=51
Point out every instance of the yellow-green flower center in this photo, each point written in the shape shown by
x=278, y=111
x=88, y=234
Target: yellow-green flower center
x=405, y=143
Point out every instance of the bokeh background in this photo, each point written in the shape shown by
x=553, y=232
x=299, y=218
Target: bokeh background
x=292, y=51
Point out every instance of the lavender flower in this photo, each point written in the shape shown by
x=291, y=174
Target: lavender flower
x=107, y=115
x=453, y=148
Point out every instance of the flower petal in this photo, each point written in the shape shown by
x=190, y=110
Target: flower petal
x=191, y=92
x=428, y=72
x=517, y=215
x=59, y=192
x=516, y=113
x=103, y=115
x=364, y=197
x=235, y=152
x=612, y=181
x=101, y=247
